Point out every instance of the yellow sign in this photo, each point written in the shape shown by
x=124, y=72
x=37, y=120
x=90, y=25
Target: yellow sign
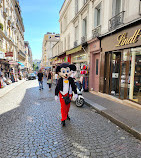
x=74, y=50
x=124, y=40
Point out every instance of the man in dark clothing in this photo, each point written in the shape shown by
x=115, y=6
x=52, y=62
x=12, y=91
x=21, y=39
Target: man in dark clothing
x=40, y=79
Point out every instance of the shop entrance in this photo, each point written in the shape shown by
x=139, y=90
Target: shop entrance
x=96, y=67
x=112, y=73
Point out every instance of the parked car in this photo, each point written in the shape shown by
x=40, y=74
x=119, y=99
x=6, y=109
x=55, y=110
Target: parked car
x=31, y=76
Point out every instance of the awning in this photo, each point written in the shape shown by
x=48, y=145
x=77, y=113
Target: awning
x=53, y=59
x=21, y=64
x=74, y=50
x=13, y=63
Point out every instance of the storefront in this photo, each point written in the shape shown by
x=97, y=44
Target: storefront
x=80, y=57
x=94, y=48
x=121, y=64
x=5, y=68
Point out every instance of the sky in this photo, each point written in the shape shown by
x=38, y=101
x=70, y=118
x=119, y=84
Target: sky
x=39, y=17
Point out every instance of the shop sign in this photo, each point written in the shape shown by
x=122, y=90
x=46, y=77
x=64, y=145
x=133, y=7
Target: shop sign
x=9, y=54
x=124, y=40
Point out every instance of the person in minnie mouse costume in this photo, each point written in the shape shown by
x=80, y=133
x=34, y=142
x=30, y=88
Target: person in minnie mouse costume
x=64, y=89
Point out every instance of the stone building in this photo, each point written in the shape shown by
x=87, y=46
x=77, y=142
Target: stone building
x=50, y=39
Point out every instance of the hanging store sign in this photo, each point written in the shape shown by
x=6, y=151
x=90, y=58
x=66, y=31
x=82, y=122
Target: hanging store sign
x=9, y=54
x=124, y=40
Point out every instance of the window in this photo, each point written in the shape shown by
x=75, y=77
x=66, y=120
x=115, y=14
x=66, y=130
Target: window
x=116, y=8
x=140, y=7
x=76, y=33
x=96, y=66
x=68, y=41
x=61, y=27
x=76, y=6
x=97, y=15
x=84, y=27
x=85, y=1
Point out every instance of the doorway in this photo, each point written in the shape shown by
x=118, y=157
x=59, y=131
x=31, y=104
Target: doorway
x=96, y=69
x=112, y=73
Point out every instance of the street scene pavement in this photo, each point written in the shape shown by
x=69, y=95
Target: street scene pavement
x=30, y=127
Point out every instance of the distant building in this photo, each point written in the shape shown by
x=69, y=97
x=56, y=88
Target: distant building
x=28, y=53
x=50, y=39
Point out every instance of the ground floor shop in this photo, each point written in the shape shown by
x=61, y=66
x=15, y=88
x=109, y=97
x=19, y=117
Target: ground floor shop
x=121, y=64
x=80, y=57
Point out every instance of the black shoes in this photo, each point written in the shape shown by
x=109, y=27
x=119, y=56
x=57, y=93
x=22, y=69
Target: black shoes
x=63, y=123
x=68, y=118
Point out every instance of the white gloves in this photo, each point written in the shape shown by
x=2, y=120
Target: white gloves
x=75, y=97
x=56, y=98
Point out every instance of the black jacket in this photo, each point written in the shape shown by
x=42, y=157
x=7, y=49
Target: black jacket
x=59, y=86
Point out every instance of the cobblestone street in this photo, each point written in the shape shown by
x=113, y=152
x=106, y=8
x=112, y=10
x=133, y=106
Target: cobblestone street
x=30, y=127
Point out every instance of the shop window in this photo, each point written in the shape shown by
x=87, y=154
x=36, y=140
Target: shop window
x=96, y=66
x=135, y=78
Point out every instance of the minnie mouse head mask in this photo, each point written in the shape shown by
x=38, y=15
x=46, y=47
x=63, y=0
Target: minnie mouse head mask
x=65, y=69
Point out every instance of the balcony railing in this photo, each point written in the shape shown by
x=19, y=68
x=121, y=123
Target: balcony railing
x=84, y=39
x=96, y=31
x=116, y=21
x=76, y=43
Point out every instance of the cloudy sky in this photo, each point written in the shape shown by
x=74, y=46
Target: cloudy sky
x=40, y=17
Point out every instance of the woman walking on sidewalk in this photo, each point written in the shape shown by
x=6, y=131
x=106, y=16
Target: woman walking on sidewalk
x=49, y=79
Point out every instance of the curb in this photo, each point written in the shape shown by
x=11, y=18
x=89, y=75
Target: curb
x=122, y=125
x=12, y=89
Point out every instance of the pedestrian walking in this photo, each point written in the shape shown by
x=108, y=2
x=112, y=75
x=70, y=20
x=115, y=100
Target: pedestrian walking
x=40, y=79
x=64, y=89
x=56, y=78
x=49, y=79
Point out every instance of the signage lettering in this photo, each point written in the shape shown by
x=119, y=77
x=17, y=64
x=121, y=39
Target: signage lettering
x=9, y=54
x=124, y=40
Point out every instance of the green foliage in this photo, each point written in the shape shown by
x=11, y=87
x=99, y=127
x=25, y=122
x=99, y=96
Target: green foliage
x=1, y=26
x=35, y=67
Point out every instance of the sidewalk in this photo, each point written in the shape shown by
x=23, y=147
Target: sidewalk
x=124, y=116
x=8, y=88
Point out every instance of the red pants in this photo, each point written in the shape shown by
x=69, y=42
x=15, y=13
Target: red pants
x=64, y=108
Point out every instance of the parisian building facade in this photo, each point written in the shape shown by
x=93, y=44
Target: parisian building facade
x=12, y=48
x=106, y=41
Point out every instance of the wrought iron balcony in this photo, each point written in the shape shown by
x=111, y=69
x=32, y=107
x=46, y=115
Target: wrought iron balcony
x=76, y=43
x=84, y=39
x=96, y=31
x=116, y=21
